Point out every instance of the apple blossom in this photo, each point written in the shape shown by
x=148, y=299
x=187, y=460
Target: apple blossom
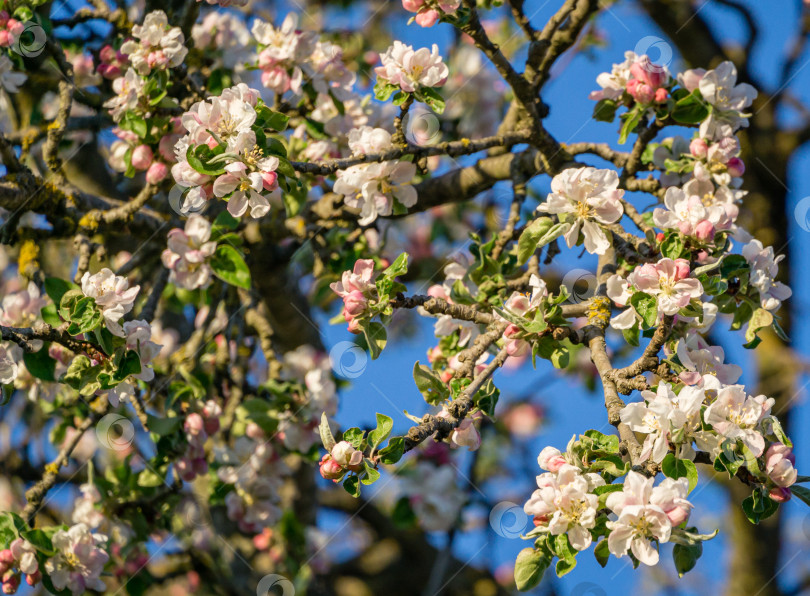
x=736, y=415
x=113, y=294
x=719, y=88
x=564, y=504
x=129, y=95
x=764, y=269
x=551, y=459
x=10, y=80
x=690, y=216
x=159, y=45
x=586, y=197
x=410, y=69
x=434, y=495
x=79, y=560
x=25, y=556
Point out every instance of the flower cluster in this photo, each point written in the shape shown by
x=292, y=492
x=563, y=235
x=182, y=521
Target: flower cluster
x=356, y=287
x=198, y=426
x=10, y=30
x=222, y=156
x=719, y=88
x=667, y=282
x=188, y=252
x=376, y=188
x=585, y=198
x=638, y=77
x=79, y=560
x=428, y=12
x=412, y=70
x=159, y=45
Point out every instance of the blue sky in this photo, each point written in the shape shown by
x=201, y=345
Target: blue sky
x=386, y=384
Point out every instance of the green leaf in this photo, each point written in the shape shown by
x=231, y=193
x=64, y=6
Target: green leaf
x=646, y=306
x=229, y=266
x=429, y=383
x=372, y=474
x=382, y=432
x=267, y=118
x=40, y=364
x=631, y=120
x=602, y=552
x=432, y=98
x=675, y=468
x=354, y=436
x=537, y=234
x=327, y=438
x=530, y=566
x=80, y=373
x=758, y=507
x=85, y=316
x=760, y=319
x=163, y=426
x=802, y=492
x=55, y=288
x=383, y=90
x=603, y=442
x=148, y=478
x=398, y=267
x=686, y=557
x=127, y=363
x=605, y=110
x=199, y=156
x=393, y=452
x=691, y=109
x=376, y=338
x=352, y=486
x=672, y=247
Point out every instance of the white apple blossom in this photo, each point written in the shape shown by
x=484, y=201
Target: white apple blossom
x=764, y=269
x=226, y=34
x=159, y=45
x=113, y=294
x=282, y=51
x=245, y=189
x=129, y=91
x=613, y=83
x=369, y=141
x=374, y=187
x=188, y=253
x=257, y=473
x=699, y=358
x=586, y=197
x=728, y=99
x=667, y=419
x=564, y=504
x=645, y=514
x=691, y=217
x=736, y=415
x=25, y=554
x=21, y=309
x=79, y=560
x=411, y=69
x=84, y=508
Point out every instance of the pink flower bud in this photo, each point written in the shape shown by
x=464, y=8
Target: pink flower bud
x=780, y=494
x=517, y=348
x=157, y=172
x=681, y=269
x=354, y=326
x=685, y=228
x=677, y=515
x=34, y=578
x=511, y=330
x=551, y=459
x=691, y=78
x=269, y=181
x=779, y=462
x=427, y=18
x=329, y=468
x=6, y=557
x=704, y=230
x=412, y=5
x=661, y=95
x=354, y=304
x=660, y=236
x=466, y=435
x=194, y=424
x=736, y=167
x=15, y=28
x=11, y=581
x=5, y=38
x=141, y=157
x=698, y=147
x=434, y=354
